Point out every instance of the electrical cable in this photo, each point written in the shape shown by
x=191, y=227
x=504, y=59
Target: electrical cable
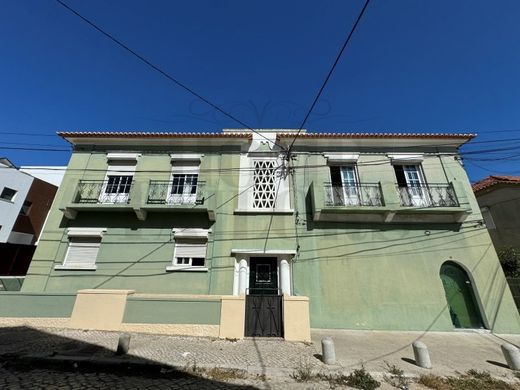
x=158, y=69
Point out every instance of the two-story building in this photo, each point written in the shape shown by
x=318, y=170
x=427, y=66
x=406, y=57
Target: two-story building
x=226, y=234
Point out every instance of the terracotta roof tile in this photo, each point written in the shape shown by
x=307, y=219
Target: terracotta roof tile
x=144, y=134
x=379, y=135
x=494, y=180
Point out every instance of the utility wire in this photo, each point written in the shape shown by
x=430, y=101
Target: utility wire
x=159, y=70
x=324, y=84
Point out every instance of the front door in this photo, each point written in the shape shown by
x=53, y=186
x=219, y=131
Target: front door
x=263, y=302
x=462, y=304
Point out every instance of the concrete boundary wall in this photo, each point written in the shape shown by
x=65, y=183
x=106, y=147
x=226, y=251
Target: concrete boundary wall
x=39, y=305
x=219, y=316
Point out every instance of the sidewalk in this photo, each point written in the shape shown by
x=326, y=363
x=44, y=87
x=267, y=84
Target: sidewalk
x=272, y=358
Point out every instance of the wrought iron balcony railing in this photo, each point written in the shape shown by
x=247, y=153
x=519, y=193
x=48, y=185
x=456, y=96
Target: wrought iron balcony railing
x=346, y=194
x=114, y=190
x=176, y=192
x=428, y=195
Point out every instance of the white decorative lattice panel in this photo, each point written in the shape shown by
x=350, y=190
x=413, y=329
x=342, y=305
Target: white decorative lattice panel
x=264, y=191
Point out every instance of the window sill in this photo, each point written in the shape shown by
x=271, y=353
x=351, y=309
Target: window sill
x=75, y=268
x=265, y=211
x=180, y=268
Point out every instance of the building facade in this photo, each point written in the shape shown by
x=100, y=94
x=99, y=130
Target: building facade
x=499, y=201
x=24, y=204
x=194, y=233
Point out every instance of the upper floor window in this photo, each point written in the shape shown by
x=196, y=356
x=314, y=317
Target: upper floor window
x=411, y=185
x=8, y=194
x=184, y=184
x=119, y=178
x=344, y=185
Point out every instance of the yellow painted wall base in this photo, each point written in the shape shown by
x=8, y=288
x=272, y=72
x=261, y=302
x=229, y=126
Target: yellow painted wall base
x=99, y=309
x=232, y=317
x=296, y=318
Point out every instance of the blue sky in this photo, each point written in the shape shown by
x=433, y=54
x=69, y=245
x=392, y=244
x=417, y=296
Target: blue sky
x=425, y=66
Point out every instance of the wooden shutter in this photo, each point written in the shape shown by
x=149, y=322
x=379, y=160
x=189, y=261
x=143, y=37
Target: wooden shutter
x=190, y=250
x=82, y=252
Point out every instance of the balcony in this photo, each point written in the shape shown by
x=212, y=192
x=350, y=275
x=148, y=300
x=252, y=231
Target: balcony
x=178, y=196
x=101, y=195
x=140, y=197
x=358, y=195
x=175, y=193
x=428, y=195
x=381, y=203
x=362, y=202
x=103, y=191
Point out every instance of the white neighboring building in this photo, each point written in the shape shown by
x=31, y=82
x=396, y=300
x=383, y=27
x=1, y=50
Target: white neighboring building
x=25, y=201
x=50, y=174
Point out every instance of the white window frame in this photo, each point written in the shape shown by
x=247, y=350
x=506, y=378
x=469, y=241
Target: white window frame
x=12, y=199
x=119, y=164
x=418, y=194
x=73, y=233
x=195, y=236
x=186, y=165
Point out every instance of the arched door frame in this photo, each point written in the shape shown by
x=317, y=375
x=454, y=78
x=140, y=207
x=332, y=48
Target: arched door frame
x=476, y=294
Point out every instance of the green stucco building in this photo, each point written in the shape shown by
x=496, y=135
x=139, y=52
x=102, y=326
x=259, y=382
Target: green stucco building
x=225, y=234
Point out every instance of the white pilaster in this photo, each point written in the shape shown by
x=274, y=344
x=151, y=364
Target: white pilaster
x=242, y=276
x=235, y=279
x=285, y=277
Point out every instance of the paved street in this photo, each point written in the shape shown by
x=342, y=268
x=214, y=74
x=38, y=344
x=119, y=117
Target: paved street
x=12, y=378
x=51, y=358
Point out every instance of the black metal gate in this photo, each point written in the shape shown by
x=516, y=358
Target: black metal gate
x=264, y=316
x=263, y=303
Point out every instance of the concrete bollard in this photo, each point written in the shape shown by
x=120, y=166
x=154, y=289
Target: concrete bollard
x=421, y=354
x=123, y=345
x=512, y=356
x=328, y=353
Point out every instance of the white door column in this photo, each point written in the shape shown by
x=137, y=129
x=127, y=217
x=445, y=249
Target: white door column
x=285, y=277
x=242, y=276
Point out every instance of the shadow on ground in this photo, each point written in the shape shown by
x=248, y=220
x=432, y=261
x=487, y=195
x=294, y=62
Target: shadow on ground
x=31, y=358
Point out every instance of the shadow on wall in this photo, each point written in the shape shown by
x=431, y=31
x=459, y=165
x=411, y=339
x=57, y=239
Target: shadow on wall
x=31, y=357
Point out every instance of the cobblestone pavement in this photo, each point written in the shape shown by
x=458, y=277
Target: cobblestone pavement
x=12, y=378
x=171, y=350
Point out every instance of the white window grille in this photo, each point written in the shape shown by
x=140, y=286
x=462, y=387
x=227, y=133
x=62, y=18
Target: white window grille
x=264, y=189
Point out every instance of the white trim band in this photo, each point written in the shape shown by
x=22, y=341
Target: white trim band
x=266, y=252
x=333, y=158
x=86, y=232
x=399, y=158
x=186, y=157
x=123, y=156
x=190, y=233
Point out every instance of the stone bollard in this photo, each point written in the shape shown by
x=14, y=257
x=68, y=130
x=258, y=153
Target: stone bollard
x=328, y=353
x=123, y=345
x=421, y=354
x=512, y=356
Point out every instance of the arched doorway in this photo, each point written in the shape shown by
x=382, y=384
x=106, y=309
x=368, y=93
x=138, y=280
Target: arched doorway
x=460, y=295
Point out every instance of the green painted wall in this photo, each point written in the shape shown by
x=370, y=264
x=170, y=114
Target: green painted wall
x=172, y=311
x=17, y=304
x=357, y=276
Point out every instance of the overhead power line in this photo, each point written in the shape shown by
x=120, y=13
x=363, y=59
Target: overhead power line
x=324, y=84
x=159, y=70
